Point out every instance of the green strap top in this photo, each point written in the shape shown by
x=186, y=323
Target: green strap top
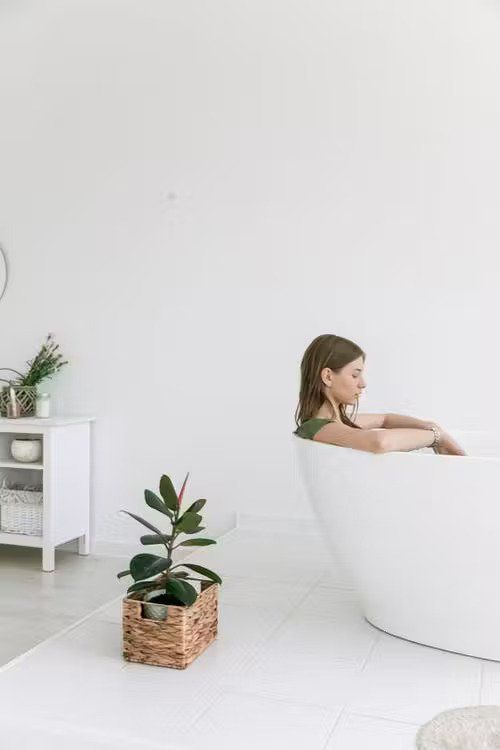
x=310, y=427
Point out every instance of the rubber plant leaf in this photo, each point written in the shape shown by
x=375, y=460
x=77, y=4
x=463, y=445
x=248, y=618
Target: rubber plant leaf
x=188, y=522
x=155, y=502
x=142, y=586
x=204, y=571
x=196, y=506
x=182, y=590
x=145, y=565
x=168, y=492
x=144, y=522
x=197, y=542
x=155, y=539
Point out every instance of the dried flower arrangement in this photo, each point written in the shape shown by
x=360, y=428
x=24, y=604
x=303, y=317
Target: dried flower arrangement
x=45, y=365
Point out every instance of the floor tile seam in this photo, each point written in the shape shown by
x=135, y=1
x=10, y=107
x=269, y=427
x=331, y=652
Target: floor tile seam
x=365, y=715
x=353, y=710
x=377, y=637
x=263, y=608
x=45, y=718
x=287, y=616
x=77, y=730
x=255, y=650
x=337, y=723
x=48, y=641
x=310, y=586
x=228, y=688
x=218, y=690
x=13, y=622
x=334, y=618
x=251, y=651
x=279, y=697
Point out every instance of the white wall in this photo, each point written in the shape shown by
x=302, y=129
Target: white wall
x=191, y=191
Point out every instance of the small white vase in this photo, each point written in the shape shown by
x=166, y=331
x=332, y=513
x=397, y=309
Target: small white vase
x=26, y=450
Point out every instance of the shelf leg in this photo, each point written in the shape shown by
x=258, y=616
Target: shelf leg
x=48, y=559
x=84, y=544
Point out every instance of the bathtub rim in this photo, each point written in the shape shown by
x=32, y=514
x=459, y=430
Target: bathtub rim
x=427, y=645
x=414, y=453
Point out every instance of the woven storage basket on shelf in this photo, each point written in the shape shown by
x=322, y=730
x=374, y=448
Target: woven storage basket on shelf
x=21, y=511
x=176, y=641
x=25, y=396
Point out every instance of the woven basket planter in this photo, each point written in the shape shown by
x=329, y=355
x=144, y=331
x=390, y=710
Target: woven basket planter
x=25, y=395
x=176, y=641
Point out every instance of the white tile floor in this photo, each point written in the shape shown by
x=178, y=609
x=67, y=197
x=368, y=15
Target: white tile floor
x=35, y=605
x=294, y=666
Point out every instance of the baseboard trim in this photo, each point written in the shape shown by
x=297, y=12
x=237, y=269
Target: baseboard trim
x=277, y=524
x=250, y=521
x=128, y=549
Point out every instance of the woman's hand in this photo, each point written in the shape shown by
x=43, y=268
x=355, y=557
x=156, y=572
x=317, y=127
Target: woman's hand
x=448, y=447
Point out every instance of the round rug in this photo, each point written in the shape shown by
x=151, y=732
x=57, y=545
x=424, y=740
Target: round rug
x=469, y=728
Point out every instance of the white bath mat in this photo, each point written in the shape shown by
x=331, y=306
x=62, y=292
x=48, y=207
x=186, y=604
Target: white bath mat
x=469, y=728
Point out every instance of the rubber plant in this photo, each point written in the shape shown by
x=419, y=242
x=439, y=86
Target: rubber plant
x=156, y=573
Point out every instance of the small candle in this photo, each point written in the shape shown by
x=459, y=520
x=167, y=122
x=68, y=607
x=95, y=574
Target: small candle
x=42, y=408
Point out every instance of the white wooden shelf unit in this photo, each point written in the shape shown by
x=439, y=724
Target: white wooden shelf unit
x=64, y=474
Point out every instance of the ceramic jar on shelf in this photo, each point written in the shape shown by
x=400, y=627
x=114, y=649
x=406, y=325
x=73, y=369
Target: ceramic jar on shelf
x=26, y=450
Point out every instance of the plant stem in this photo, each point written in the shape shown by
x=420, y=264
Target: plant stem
x=170, y=547
x=10, y=369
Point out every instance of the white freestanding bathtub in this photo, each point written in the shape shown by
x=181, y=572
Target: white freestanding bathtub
x=418, y=536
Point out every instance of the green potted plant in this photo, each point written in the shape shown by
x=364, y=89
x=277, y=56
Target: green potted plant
x=45, y=364
x=161, y=596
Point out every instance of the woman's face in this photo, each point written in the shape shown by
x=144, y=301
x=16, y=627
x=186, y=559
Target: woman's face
x=345, y=386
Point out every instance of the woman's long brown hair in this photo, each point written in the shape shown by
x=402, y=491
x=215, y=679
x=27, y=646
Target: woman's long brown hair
x=330, y=351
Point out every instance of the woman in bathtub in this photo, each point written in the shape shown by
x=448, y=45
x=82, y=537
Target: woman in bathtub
x=331, y=378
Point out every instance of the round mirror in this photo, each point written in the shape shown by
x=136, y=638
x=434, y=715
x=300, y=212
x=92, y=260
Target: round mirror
x=3, y=273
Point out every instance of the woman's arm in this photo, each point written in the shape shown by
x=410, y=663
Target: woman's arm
x=447, y=445
x=402, y=420
x=370, y=421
